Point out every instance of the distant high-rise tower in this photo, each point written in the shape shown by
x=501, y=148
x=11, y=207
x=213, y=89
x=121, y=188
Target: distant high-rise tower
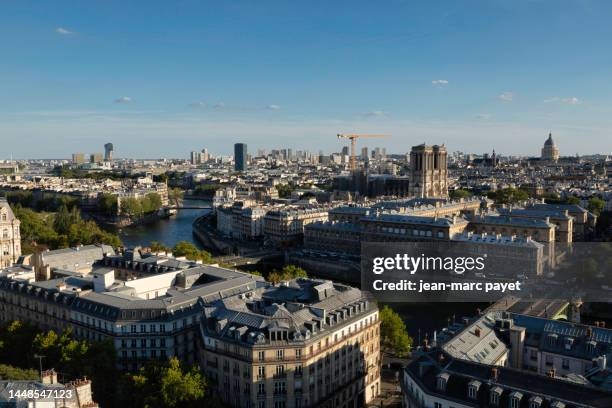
x=550, y=152
x=428, y=171
x=108, y=152
x=95, y=158
x=364, y=153
x=240, y=157
x=78, y=158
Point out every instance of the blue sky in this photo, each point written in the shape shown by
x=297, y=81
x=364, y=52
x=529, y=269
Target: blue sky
x=159, y=79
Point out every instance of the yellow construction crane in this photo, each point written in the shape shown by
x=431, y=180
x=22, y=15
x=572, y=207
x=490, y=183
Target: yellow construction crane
x=353, y=138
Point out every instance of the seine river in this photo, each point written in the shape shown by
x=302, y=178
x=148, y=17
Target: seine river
x=426, y=316
x=167, y=231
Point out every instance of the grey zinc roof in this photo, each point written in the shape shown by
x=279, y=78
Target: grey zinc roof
x=413, y=219
x=511, y=221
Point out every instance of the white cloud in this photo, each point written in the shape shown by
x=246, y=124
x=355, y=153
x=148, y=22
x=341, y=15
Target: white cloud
x=376, y=114
x=273, y=107
x=219, y=105
x=483, y=116
x=64, y=31
x=567, y=101
x=506, y=96
x=123, y=99
x=440, y=82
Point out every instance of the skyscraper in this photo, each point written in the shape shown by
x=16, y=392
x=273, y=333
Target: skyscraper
x=78, y=158
x=108, y=152
x=240, y=157
x=364, y=153
x=95, y=158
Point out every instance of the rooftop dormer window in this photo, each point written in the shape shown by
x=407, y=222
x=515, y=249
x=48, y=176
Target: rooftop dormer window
x=441, y=380
x=515, y=400
x=535, y=402
x=495, y=396
x=473, y=388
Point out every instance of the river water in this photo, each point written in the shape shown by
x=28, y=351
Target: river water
x=168, y=231
x=421, y=318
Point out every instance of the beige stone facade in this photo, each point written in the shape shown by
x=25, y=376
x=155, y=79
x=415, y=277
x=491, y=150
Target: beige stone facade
x=428, y=171
x=263, y=360
x=10, y=238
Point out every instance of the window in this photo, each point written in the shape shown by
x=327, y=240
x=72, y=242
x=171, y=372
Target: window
x=261, y=355
x=261, y=372
x=549, y=360
x=437, y=405
x=565, y=363
x=280, y=354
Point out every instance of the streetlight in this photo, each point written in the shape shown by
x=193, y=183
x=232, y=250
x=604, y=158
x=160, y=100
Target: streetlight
x=40, y=357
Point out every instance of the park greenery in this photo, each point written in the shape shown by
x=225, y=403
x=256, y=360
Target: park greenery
x=287, y=273
x=508, y=195
x=596, y=205
x=42, y=202
x=62, y=229
x=175, y=195
x=183, y=248
x=165, y=384
x=460, y=193
x=160, y=383
x=393, y=333
x=137, y=207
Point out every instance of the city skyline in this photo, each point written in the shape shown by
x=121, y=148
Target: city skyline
x=485, y=76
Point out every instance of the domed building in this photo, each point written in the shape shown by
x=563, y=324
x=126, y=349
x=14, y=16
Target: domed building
x=550, y=152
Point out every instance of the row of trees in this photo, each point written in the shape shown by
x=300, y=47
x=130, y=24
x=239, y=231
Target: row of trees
x=160, y=383
x=63, y=229
x=42, y=202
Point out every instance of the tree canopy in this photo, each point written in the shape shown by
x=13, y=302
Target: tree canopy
x=508, y=195
x=287, y=273
x=59, y=230
x=165, y=384
x=393, y=333
x=460, y=193
x=191, y=252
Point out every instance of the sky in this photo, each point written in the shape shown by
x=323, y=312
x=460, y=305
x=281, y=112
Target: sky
x=163, y=78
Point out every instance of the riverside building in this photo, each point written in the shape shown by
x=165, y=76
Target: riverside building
x=303, y=343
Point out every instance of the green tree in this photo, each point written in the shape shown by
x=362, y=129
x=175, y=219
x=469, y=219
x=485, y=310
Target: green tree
x=573, y=200
x=8, y=372
x=16, y=339
x=159, y=247
x=107, y=204
x=292, y=272
x=393, y=333
x=508, y=195
x=191, y=252
x=175, y=195
x=130, y=206
x=596, y=205
x=460, y=193
x=165, y=384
